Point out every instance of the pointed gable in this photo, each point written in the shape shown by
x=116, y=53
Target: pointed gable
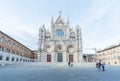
x=60, y=21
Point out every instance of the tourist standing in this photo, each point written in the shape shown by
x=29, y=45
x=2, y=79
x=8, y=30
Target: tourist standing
x=103, y=66
x=100, y=65
x=68, y=63
x=97, y=65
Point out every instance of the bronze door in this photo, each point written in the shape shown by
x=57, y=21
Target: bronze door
x=60, y=57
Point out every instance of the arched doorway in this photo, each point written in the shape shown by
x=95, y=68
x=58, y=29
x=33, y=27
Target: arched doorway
x=70, y=50
x=70, y=58
x=48, y=58
x=59, y=57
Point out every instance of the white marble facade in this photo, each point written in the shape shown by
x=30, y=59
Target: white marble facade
x=62, y=44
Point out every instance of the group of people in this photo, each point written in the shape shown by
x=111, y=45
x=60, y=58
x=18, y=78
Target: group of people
x=100, y=65
x=70, y=64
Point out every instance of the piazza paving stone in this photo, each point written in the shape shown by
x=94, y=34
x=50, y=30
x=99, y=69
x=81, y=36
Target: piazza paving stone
x=58, y=72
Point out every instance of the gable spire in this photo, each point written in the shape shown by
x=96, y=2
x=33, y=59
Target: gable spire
x=60, y=13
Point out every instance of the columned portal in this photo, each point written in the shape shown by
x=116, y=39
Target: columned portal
x=60, y=57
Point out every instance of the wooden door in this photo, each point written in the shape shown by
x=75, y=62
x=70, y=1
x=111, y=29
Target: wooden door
x=48, y=58
x=70, y=58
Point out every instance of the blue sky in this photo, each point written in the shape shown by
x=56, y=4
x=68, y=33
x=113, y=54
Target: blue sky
x=98, y=19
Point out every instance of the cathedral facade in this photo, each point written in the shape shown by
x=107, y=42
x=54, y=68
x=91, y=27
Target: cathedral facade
x=62, y=44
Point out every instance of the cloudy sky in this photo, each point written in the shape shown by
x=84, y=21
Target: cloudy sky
x=98, y=19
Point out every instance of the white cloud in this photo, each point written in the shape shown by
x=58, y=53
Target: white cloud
x=101, y=24
x=18, y=30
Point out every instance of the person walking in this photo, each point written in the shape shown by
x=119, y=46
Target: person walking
x=68, y=63
x=100, y=65
x=103, y=66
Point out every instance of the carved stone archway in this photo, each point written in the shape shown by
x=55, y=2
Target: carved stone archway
x=49, y=48
x=71, y=48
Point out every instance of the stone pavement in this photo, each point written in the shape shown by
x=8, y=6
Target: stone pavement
x=57, y=72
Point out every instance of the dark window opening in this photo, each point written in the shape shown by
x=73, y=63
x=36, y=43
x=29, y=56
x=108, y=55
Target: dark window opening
x=7, y=58
x=17, y=59
x=1, y=57
x=12, y=59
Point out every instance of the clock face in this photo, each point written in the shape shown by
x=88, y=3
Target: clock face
x=59, y=33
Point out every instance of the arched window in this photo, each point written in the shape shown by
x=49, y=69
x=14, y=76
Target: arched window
x=20, y=60
x=8, y=50
x=14, y=45
x=2, y=39
x=12, y=58
x=7, y=58
x=17, y=59
x=8, y=42
x=1, y=48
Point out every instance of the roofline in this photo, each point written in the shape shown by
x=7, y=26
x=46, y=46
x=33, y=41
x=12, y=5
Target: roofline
x=113, y=46
x=15, y=40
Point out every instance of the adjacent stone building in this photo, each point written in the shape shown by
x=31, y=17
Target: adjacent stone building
x=61, y=44
x=110, y=55
x=13, y=51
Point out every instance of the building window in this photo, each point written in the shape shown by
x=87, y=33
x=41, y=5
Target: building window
x=17, y=59
x=8, y=50
x=14, y=45
x=20, y=60
x=23, y=60
x=1, y=57
x=115, y=62
x=7, y=58
x=2, y=39
x=1, y=48
x=9, y=42
x=12, y=59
